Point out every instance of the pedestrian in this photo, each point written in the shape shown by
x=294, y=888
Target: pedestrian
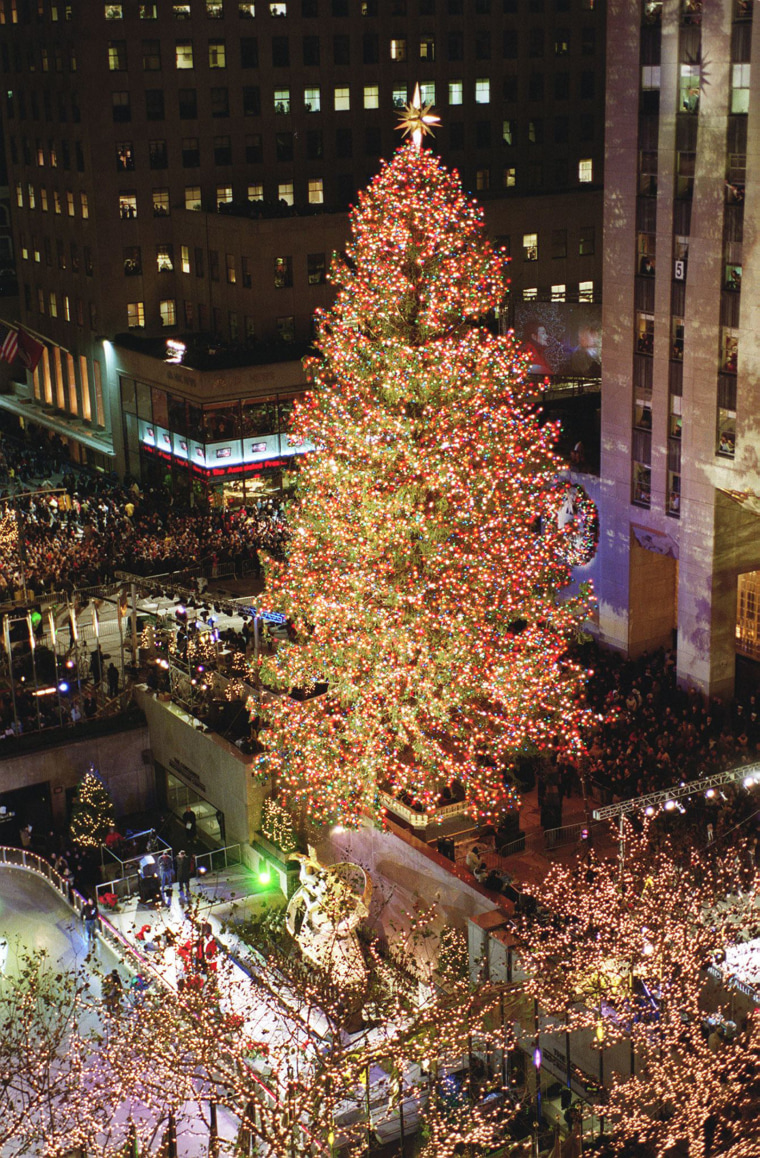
x=90, y=918
x=112, y=991
x=183, y=875
x=190, y=822
x=165, y=875
x=113, y=680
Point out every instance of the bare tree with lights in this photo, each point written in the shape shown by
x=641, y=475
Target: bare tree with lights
x=425, y=565
x=621, y=954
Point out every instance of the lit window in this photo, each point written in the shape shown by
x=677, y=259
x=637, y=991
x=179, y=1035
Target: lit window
x=688, y=88
x=160, y=202
x=165, y=258
x=135, y=314
x=456, y=92
x=84, y=204
x=246, y=11
x=427, y=92
x=149, y=12
x=585, y=291
x=224, y=194
x=312, y=100
x=508, y=132
x=183, y=54
x=53, y=300
x=740, y=74
x=280, y=9
x=371, y=96
x=285, y=192
x=168, y=310
x=400, y=96
x=30, y=195
x=427, y=48
x=510, y=178
x=67, y=307
x=316, y=191
x=530, y=294
x=398, y=49
x=559, y=293
x=282, y=100
x=20, y=195
x=185, y=258
x=117, y=55
x=114, y=11
x=283, y=272
x=56, y=201
x=230, y=268
x=650, y=77
x=181, y=11
x=482, y=91
x=217, y=54
x=256, y=192
x=342, y=100
x=214, y=9
x=70, y=204
x=585, y=170
x=530, y=246
x=193, y=197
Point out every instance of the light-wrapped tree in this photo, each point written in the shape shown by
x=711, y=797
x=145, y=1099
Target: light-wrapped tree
x=425, y=569
x=92, y=811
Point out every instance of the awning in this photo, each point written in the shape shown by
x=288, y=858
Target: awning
x=31, y=411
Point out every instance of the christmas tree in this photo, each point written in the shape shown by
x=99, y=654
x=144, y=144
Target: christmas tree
x=92, y=812
x=424, y=568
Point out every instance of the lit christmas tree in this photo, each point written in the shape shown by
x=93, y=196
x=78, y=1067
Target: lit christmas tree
x=92, y=812
x=424, y=573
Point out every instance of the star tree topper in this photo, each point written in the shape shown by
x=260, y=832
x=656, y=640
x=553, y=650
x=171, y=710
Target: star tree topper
x=417, y=120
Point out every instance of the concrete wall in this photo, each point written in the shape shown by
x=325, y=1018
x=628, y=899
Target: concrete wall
x=211, y=766
x=122, y=759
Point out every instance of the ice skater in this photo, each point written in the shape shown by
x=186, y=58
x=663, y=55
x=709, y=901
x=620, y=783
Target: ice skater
x=90, y=919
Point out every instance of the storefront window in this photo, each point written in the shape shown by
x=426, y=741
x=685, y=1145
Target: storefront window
x=221, y=422
x=259, y=416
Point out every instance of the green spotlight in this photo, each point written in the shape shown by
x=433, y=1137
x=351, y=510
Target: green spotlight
x=265, y=876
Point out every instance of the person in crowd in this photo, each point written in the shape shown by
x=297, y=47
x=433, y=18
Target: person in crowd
x=166, y=875
x=183, y=875
x=90, y=921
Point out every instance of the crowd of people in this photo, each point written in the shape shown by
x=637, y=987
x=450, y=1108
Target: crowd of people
x=78, y=533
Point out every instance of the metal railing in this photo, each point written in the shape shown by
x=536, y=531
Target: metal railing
x=421, y=819
x=216, y=860
x=568, y=834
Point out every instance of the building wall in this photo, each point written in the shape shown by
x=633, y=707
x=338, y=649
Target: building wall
x=674, y=175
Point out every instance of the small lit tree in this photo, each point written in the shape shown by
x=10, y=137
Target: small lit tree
x=92, y=812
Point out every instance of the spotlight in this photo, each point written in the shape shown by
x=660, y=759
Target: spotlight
x=265, y=876
x=710, y=793
x=201, y=870
x=669, y=805
x=63, y=687
x=749, y=781
x=649, y=810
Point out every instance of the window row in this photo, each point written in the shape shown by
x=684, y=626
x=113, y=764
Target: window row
x=58, y=155
x=183, y=55
x=28, y=196
x=198, y=261
x=690, y=85
x=311, y=9
x=560, y=293
x=34, y=249
x=51, y=303
x=67, y=105
x=200, y=317
x=558, y=243
x=224, y=195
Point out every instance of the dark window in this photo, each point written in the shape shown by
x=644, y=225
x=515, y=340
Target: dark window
x=66, y=155
x=482, y=7
x=132, y=261
x=559, y=243
x=456, y=7
x=158, y=155
x=588, y=86
x=122, y=109
x=509, y=89
x=79, y=156
x=76, y=112
x=372, y=141
x=456, y=46
x=280, y=52
x=456, y=135
x=340, y=7
x=560, y=172
x=341, y=50
x=125, y=156
x=154, y=104
x=343, y=143
x=284, y=146
x=213, y=264
x=151, y=55
x=315, y=268
x=483, y=134
x=536, y=131
x=310, y=8
x=561, y=86
x=311, y=50
x=251, y=101
x=588, y=41
x=536, y=86
x=370, y=48
x=249, y=52
x=314, y=146
x=536, y=42
x=191, y=154
x=561, y=129
x=188, y=104
x=220, y=102
x=198, y=261
x=482, y=45
x=587, y=126
x=586, y=241
x=222, y=151
x=254, y=152
x=427, y=7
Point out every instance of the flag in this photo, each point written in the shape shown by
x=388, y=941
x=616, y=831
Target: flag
x=29, y=350
x=9, y=346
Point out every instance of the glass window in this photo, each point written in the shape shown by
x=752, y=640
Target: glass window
x=427, y=48
x=220, y=102
x=689, y=88
x=482, y=179
x=456, y=92
x=256, y=192
x=729, y=350
x=214, y=9
x=165, y=258
x=168, y=311
x=559, y=293
x=285, y=192
x=586, y=241
x=286, y=329
x=278, y=9
x=315, y=269
x=510, y=177
x=585, y=170
x=151, y=55
x=191, y=153
x=399, y=96
x=740, y=74
x=135, y=314
x=482, y=91
x=371, y=96
x=316, y=191
x=185, y=258
x=530, y=246
x=642, y=484
x=223, y=195
x=229, y=265
x=121, y=107
x=342, y=100
x=676, y=339
x=282, y=100
x=530, y=294
x=160, y=202
x=585, y=291
x=183, y=54
x=650, y=77
x=246, y=10
x=645, y=333
x=127, y=204
x=217, y=54
x=83, y=204
x=398, y=49
x=181, y=11
x=312, y=99
x=283, y=272
x=193, y=197
x=125, y=156
x=117, y=55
